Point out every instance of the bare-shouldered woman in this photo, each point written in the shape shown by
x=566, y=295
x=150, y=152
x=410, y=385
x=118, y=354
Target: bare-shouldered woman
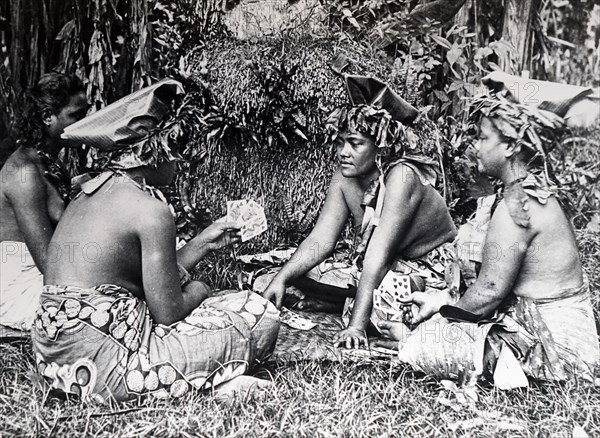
x=119, y=309
x=32, y=197
x=530, y=303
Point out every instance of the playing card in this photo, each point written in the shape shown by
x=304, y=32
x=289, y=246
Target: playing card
x=249, y=216
x=254, y=221
x=235, y=210
x=387, y=298
x=296, y=321
x=397, y=285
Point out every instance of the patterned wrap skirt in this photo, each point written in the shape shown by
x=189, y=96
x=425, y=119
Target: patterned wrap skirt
x=101, y=343
x=429, y=272
x=548, y=339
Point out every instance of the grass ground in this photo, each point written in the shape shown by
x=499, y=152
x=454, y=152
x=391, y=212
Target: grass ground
x=367, y=398
x=310, y=399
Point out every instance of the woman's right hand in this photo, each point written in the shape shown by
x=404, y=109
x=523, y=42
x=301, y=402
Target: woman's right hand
x=428, y=303
x=275, y=292
x=220, y=234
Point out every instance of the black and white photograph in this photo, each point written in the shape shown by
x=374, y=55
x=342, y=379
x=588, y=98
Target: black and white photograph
x=300, y=218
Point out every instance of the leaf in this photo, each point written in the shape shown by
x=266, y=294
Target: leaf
x=494, y=66
x=560, y=3
x=516, y=202
x=483, y=52
x=502, y=46
x=471, y=392
x=455, y=85
x=442, y=97
x=442, y=41
x=354, y=23
x=339, y=63
x=300, y=134
x=594, y=224
x=453, y=55
x=449, y=385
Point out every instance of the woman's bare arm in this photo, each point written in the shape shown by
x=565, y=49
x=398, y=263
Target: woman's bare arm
x=318, y=245
x=403, y=196
x=162, y=290
x=27, y=193
x=505, y=249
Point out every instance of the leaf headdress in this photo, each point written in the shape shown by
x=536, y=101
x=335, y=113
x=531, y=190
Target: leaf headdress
x=399, y=131
x=533, y=129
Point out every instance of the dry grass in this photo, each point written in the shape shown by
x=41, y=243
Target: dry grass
x=311, y=399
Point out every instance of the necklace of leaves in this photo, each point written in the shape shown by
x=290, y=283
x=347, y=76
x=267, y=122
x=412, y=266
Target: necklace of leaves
x=516, y=196
x=58, y=175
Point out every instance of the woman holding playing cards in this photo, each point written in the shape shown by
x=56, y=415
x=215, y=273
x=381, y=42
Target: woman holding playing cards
x=528, y=312
x=389, y=168
x=119, y=316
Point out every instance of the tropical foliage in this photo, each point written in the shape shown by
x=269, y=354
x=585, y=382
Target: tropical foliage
x=270, y=98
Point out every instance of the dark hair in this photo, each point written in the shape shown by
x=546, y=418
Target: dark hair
x=51, y=93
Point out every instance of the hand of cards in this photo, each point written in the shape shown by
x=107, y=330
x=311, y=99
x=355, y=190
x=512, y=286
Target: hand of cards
x=387, y=298
x=249, y=216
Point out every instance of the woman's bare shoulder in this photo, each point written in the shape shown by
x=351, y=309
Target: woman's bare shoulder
x=402, y=182
x=528, y=220
x=21, y=173
x=547, y=215
x=139, y=207
x=22, y=158
x=507, y=220
x=403, y=177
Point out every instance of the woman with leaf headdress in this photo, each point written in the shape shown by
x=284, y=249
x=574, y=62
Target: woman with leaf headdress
x=114, y=275
x=389, y=167
x=527, y=311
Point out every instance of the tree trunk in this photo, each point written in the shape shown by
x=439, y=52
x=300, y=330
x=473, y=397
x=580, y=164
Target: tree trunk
x=462, y=16
x=16, y=44
x=517, y=30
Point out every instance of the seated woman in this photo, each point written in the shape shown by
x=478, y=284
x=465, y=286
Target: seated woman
x=119, y=316
x=33, y=193
x=528, y=313
x=389, y=167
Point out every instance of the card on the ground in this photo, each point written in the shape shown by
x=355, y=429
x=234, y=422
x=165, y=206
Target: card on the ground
x=296, y=321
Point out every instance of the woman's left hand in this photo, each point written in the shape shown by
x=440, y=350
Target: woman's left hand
x=220, y=234
x=351, y=337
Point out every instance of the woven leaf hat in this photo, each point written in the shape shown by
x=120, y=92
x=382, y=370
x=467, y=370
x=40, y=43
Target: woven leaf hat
x=133, y=131
x=397, y=128
x=534, y=129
